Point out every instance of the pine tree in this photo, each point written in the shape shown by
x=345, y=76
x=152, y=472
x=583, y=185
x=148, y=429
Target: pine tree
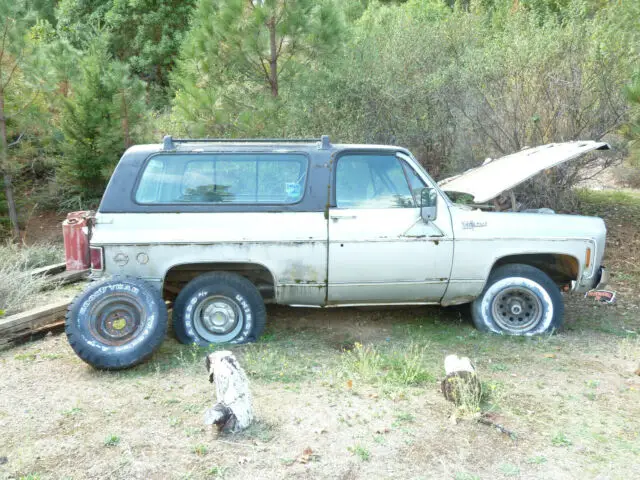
x=21, y=81
x=238, y=50
x=259, y=40
x=144, y=34
x=102, y=117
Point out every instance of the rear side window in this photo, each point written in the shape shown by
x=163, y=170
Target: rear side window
x=223, y=178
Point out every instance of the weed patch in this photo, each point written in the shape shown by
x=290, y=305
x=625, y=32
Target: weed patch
x=397, y=365
x=361, y=452
x=200, y=450
x=112, y=441
x=561, y=440
x=275, y=364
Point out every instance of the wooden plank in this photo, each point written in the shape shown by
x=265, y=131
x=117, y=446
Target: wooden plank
x=26, y=323
x=67, y=277
x=49, y=270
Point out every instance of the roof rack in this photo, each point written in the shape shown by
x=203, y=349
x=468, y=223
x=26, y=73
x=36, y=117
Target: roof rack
x=168, y=142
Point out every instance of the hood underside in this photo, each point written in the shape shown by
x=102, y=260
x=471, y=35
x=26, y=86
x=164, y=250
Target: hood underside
x=496, y=176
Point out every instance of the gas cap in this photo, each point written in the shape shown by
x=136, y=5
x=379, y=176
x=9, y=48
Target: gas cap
x=121, y=259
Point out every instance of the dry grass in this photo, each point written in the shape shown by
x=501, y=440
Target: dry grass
x=17, y=287
x=572, y=400
x=629, y=348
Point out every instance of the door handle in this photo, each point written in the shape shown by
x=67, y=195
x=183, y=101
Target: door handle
x=343, y=217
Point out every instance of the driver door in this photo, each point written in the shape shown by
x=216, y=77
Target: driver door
x=380, y=249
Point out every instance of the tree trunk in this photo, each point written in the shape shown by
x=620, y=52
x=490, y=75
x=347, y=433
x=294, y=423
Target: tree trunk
x=125, y=120
x=273, y=60
x=8, y=180
x=234, y=411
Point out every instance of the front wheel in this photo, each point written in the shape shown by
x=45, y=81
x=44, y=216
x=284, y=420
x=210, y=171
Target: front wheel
x=518, y=300
x=218, y=308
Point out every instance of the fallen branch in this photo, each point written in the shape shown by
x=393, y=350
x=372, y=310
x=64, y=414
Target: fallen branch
x=237, y=444
x=14, y=143
x=485, y=420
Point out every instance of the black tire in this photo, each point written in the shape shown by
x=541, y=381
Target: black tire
x=219, y=308
x=117, y=323
x=519, y=300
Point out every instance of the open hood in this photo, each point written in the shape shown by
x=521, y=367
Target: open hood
x=496, y=176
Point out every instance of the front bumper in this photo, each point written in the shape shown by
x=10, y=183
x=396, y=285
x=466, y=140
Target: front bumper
x=597, y=281
x=601, y=278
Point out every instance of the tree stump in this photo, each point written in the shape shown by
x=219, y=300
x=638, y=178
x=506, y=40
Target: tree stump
x=461, y=384
x=234, y=411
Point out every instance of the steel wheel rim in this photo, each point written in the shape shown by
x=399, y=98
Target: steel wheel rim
x=218, y=319
x=117, y=320
x=516, y=309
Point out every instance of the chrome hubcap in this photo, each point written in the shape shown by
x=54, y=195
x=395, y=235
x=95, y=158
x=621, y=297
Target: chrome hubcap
x=516, y=309
x=218, y=319
x=219, y=316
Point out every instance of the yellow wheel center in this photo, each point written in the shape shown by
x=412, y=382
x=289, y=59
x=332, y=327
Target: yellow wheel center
x=119, y=323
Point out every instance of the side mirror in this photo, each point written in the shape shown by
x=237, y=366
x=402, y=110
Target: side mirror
x=428, y=204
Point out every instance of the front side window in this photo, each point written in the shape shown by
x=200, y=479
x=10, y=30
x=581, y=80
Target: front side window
x=223, y=178
x=372, y=181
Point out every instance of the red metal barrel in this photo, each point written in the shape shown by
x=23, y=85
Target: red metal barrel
x=75, y=231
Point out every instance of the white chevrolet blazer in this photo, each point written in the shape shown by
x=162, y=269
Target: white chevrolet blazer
x=218, y=228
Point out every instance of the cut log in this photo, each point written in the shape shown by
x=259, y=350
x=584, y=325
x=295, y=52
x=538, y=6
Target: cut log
x=22, y=324
x=461, y=384
x=234, y=411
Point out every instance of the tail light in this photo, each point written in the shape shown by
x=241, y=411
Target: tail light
x=97, y=257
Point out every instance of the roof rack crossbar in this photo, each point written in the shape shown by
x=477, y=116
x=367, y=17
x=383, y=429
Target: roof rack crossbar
x=169, y=142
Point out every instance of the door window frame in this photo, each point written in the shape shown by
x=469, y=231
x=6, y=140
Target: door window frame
x=372, y=153
x=406, y=161
x=424, y=175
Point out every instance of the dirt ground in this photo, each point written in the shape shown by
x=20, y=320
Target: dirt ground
x=349, y=394
x=43, y=227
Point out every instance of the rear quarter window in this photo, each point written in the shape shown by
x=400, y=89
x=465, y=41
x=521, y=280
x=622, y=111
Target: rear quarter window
x=223, y=179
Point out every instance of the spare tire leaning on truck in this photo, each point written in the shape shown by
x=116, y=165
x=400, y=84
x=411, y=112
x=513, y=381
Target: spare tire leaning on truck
x=117, y=323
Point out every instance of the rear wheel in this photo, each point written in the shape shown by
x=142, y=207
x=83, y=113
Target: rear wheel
x=518, y=300
x=219, y=308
